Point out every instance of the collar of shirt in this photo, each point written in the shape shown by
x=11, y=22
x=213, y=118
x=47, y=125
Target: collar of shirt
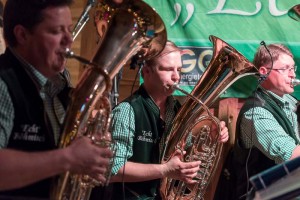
x=169, y=104
x=286, y=101
x=55, y=85
x=52, y=86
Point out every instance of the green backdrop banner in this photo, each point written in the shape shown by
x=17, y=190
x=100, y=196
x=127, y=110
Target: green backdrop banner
x=242, y=24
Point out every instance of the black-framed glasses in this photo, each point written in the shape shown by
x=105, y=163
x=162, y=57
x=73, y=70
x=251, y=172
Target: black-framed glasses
x=289, y=70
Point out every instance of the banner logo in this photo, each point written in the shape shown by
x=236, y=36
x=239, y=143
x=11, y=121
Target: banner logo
x=194, y=62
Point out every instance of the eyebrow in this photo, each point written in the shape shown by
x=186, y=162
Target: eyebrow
x=287, y=66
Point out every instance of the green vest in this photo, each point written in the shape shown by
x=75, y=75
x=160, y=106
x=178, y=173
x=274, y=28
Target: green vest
x=30, y=121
x=234, y=179
x=269, y=103
x=149, y=128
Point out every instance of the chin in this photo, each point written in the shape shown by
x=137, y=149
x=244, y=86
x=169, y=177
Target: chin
x=167, y=92
x=170, y=92
x=290, y=91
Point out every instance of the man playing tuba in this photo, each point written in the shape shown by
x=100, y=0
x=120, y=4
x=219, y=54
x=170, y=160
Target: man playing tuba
x=140, y=125
x=34, y=90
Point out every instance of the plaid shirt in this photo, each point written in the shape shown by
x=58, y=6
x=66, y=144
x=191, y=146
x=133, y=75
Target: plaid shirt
x=260, y=129
x=123, y=129
x=48, y=90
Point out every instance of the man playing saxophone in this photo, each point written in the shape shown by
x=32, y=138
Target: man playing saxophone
x=140, y=126
x=34, y=88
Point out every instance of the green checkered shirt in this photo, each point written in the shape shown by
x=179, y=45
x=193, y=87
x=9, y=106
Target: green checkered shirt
x=123, y=129
x=260, y=129
x=48, y=90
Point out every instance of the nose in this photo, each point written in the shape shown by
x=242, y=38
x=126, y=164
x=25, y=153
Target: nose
x=292, y=73
x=176, y=76
x=67, y=39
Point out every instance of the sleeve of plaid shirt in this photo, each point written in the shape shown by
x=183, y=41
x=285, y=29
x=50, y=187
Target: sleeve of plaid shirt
x=259, y=127
x=122, y=130
x=6, y=115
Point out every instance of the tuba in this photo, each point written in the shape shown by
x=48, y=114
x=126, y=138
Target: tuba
x=196, y=131
x=129, y=29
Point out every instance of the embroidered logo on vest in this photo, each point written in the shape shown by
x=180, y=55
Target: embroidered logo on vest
x=146, y=137
x=29, y=133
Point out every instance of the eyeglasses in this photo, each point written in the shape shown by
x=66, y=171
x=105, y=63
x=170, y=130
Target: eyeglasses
x=290, y=69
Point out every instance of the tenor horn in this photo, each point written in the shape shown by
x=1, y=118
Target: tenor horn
x=196, y=131
x=125, y=30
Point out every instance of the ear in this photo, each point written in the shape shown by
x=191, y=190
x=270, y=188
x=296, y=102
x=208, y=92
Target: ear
x=21, y=34
x=263, y=70
x=146, y=70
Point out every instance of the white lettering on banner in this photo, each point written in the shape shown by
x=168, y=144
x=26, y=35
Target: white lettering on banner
x=195, y=57
x=273, y=9
x=190, y=8
x=177, y=8
x=190, y=77
x=188, y=63
x=220, y=6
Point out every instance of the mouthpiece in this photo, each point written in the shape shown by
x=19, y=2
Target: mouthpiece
x=175, y=86
x=68, y=53
x=295, y=82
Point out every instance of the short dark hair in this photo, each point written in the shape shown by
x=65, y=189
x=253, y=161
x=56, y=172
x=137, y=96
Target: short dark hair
x=27, y=13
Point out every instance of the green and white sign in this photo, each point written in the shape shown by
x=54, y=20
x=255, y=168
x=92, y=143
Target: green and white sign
x=243, y=24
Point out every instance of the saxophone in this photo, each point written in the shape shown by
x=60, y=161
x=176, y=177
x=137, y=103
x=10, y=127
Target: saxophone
x=194, y=124
x=130, y=29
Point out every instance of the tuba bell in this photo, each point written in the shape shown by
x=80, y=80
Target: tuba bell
x=196, y=131
x=126, y=30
